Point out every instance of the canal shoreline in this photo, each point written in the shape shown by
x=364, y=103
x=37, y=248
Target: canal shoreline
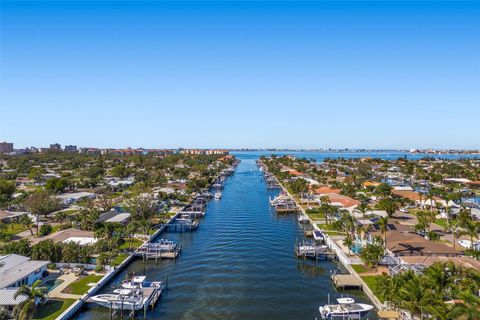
x=75, y=308
x=344, y=260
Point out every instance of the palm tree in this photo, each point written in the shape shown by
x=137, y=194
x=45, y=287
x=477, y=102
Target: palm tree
x=26, y=309
x=464, y=217
x=363, y=208
x=26, y=221
x=456, y=232
x=383, y=223
x=414, y=297
x=448, y=198
x=467, y=309
x=348, y=242
x=431, y=197
x=438, y=278
x=60, y=216
x=131, y=228
x=4, y=314
x=472, y=229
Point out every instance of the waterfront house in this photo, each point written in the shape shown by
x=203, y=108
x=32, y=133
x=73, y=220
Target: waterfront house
x=115, y=217
x=8, y=216
x=8, y=300
x=69, y=235
x=17, y=270
x=463, y=261
x=342, y=202
x=69, y=198
x=324, y=190
x=407, y=243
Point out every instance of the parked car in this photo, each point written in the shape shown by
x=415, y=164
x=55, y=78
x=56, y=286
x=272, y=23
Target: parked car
x=465, y=243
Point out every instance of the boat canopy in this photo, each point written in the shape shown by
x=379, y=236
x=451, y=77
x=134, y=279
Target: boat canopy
x=345, y=300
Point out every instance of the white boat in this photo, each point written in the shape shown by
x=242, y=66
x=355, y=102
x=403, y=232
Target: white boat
x=217, y=195
x=312, y=248
x=302, y=218
x=119, y=301
x=318, y=235
x=345, y=309
x=139, y=282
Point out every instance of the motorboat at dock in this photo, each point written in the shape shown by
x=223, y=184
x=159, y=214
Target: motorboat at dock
x=284, y=203
x=346, y=308
x=309, y=249
x=163, y=249
x=133, y=295
x=303, y=218
x=318, y=235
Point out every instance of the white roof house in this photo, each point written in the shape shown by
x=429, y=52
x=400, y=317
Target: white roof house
x=81, y=240
x=17, y=270
x=7, y=297
x=75, y=196
x=120, y=218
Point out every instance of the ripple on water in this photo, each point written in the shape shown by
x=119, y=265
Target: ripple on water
x=240, y=264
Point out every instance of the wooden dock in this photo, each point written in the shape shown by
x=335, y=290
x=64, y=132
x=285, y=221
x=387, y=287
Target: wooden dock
x=311, y=250
x=150, y=297
x=165, y=249
x=346, y=281
x=182, y=225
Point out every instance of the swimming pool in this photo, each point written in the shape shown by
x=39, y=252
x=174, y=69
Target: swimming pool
x=52, y=284
x=357, y=247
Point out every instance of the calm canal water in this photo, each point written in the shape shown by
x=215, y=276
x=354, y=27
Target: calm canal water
x=240, y=264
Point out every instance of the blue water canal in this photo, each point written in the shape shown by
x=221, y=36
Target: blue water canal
x=240, y=264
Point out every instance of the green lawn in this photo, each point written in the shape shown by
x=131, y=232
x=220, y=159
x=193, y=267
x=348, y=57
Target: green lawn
x=14, y=228
x=360, y=268
x=52, y=309
x=81, y=286
x=119, y=259
x=371, y=283
x=325, y=226
x=70, y=212
x=441, y=222
x=316, y=216
x=130, y=244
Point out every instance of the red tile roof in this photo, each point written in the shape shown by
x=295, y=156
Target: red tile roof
x=326, y=190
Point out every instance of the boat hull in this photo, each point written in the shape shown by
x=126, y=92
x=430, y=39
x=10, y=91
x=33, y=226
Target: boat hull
x=352, y=311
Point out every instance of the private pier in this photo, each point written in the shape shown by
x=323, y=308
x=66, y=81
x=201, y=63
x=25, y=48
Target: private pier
x=346, y=281
x=164, y=249
x=311, y=250
x=126, y=303
x=182, y=225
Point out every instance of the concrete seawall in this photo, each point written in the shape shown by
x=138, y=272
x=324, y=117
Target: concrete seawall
x=76, y=306
x=71, y=311
x=342, y=257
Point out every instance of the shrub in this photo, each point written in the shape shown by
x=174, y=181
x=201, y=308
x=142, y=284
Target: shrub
x=45, y=229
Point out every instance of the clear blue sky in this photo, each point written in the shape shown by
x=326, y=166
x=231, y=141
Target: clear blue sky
x=241, y=74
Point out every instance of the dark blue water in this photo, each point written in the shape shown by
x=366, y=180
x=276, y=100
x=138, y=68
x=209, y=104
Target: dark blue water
x=240, y=264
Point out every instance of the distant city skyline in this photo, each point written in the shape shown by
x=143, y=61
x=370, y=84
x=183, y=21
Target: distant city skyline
x=77, y=148
x=298, y=75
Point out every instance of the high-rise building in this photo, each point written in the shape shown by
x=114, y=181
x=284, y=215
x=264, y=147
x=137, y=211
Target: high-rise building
x=6, y=147
x=71, y=149
x=55, y=147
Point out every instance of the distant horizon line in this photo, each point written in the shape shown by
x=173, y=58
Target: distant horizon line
x=324, y=149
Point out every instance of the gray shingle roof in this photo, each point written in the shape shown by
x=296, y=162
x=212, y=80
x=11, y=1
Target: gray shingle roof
x=7, y=297
x=14, y=267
